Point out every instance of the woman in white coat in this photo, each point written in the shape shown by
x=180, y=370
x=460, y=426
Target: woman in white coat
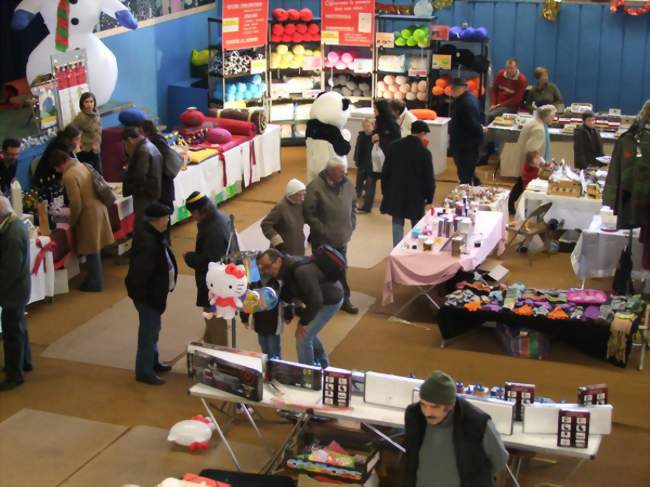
x=535, y=136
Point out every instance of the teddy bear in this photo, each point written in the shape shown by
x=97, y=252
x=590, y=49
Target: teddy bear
x=227, y=283
x=325, y=136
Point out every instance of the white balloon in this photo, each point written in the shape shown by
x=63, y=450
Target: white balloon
x=189, y=431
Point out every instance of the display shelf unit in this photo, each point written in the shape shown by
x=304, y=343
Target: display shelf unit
x=278, y=76
x=391, y=23
x=220, y=80
x=442, y=103
x=331, y=75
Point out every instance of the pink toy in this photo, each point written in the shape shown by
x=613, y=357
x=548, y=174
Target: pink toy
x=333, y=57
x=347, y=58
x=586, y=296
x=340, y=65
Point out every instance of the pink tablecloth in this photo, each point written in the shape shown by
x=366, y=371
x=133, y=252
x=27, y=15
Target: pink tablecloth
x=418, y=268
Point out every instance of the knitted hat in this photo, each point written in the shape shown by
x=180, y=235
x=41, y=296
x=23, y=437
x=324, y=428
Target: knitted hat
x=439, y=388
x=295, y=186
x=157, y=210
x=196, y=201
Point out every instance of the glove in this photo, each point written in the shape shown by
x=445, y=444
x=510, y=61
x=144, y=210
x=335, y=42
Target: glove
x=21, y=19
x=126, y=19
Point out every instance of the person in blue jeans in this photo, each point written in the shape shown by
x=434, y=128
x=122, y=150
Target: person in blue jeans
x=304, y=282
x=151, y=277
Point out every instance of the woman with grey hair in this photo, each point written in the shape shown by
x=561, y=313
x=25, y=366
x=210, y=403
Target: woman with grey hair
x=535, y=136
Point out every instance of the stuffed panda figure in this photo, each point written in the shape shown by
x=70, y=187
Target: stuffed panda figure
x=325, y=136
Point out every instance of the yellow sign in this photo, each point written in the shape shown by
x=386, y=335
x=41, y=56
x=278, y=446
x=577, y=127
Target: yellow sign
x=441, y=61
x=330, y=37
x=258, y=66
x=231, y=24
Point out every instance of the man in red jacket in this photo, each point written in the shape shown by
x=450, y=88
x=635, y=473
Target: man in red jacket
x=508, y=90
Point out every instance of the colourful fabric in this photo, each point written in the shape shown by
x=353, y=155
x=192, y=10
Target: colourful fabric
x=62, y=25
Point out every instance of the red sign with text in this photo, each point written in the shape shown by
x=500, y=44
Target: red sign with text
x=244, y=24
x=348, y=22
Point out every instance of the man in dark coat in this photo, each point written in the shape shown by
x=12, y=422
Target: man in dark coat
x=465, y=132
x=214, y=232
x=449, y=442
x=15, y=289
x=303, y=280
x=587, y=144
x=143, y=178
x=171, y=162
x=151, y=277
x=407, y=180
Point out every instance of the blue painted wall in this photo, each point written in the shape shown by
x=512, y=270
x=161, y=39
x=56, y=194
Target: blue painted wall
x=593, y=55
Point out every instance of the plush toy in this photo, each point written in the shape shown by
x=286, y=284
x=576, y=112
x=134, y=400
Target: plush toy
x=325, y=136
x=226, y=286
x=194, y=433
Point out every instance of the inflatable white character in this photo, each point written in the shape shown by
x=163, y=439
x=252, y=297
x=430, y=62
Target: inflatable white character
x=227, y=284
x=70, y=24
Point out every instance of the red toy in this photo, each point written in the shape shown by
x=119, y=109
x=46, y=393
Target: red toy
x=301, y=28
x=306, y=15
x=280, y=14
x=290, y=28
x=286, y=38
x=276, y=38
x=297, y=38
x=277, y=29
x=293, y=14
x=313, y=29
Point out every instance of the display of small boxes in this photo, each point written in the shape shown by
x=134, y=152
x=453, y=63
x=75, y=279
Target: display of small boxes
x=337, y=387
x=564, y=187
x=593, y=394
x=573, y=428
x=520, y=394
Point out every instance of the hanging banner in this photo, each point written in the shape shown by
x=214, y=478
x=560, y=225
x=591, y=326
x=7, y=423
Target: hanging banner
x=245, y=24
x=348, y=22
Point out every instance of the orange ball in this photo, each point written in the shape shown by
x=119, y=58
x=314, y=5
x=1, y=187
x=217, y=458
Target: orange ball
x=437, y=90
x=471, y=84
x=441, y=83
x=448, y=91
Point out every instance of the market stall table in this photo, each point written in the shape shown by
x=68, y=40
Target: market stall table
x=427, y=269
x=577, y=213
x=561, y=146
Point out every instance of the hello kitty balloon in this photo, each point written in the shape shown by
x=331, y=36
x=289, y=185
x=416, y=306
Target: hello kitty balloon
x=70, y=24
x=226, y=286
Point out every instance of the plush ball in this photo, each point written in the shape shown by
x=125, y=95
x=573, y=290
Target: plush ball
x=406, y=33
x=299, y=49
x=405, y=88
x=313, y=29
x=365, y=86
x=388, y=95
x=276, y=38
x=328, y=63
x=347, y=57
x=277, y=29
x=419, y=34
x=288, y=56
x=190, y=117
x=411, y=42
x=293, y=14
x=424, y=114
x=340, y=65
x=290, y=28
x=410, y=96
x=423, y=44
x=297, y=37
x=455, y=31
x=286, y=38
x=282, y=49
x=441, y=83
x=472, y=85
x=448, y=90
x=280, y=14
x=217, y=135
x=345, y=91
x=306, y=15
x=437, y=90
x=333, y=57
x=296, y=63
x=132, y=117
x=393, y=88
x=381, y=86
x=400, y=42
x=301, y=28
x=421, y=96
x=400, y=80
x=481, y=34
x=422, y=86
x=468, y=34
x=352, y=85
x=398, y=95
x=389, y=79
x=414, y=87
x=356, y=92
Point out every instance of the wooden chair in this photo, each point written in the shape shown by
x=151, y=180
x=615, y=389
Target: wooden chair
x=533, y=225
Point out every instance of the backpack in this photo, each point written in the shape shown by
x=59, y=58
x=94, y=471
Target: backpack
x=172, y=163
x=329, y=260
x=101, y=187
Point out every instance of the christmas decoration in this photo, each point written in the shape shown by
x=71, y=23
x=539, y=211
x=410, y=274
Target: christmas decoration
x=614, y=5
x=551, y=9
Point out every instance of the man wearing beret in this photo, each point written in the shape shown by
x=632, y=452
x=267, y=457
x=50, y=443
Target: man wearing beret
x=450, y=442
x=151, y=277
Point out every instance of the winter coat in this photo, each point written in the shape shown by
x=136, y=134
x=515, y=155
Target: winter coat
x=508, y=92
x=167, y=194
x=15, y=269
x=404, y=121
x=548, y=95
x=465, y=129
x=531, y=138
x=587, y=145
x=91, y=131
x=147, y=281
x=329, y=210
x=388, y=132
x=363, y=151
x=284, y=226
x=88, y=215
x=211, y=245
x=407, y=181
x=143, y=176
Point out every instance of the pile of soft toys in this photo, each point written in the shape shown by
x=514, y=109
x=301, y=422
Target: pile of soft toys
x=294, y=58
x=245, y=88
x=341, y=59
x=414, y=36
x=442, y=86
x=466, y=33
x=401, y=88
x=348, y=85
x=294, y=26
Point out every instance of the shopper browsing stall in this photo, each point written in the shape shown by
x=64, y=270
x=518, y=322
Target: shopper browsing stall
x=587, y=144
x=449, y=442
x=535, y=136
x=89, y=122
x=8, y=163
x=152, y=276
x=366, y=177
x=543, y=93
x=284, y=226
x=407, y=181
x=44, y=178
x=15, y=288
x=88, y=216
x=529, y=171
x=268, y=324
x=403, y=116
x=171, y=162
x=465, y=132
x=507, y=91
x=304, y=281
x=214, y=231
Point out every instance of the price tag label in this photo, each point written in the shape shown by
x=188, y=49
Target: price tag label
x=441, y=61
x=235, y=104
x=417, y=72
x=330, y=37
x=231, y=24
x=258, y=66
x=362, y=65
x=385, y=40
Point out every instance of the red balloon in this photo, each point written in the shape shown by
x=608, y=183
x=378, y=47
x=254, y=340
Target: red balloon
x=293, y=14
x=277, y=29
x=280, y=14
x=301, y=28
x=306, y=15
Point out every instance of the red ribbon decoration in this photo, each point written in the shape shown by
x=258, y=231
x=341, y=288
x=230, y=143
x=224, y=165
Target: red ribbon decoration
x=614, y=5
x=40, y=257
x=233, y=270
x=225, y=302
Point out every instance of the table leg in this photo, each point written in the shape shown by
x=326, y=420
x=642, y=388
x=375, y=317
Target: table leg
x=422, y=291
x=574, y=470
x=222, y=435
x=512, y=475
x=385, y=437
x=257, y=431
x=278, y=457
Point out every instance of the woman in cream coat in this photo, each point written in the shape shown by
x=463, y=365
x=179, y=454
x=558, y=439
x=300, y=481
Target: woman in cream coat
x=534, y=137
x=88, y=216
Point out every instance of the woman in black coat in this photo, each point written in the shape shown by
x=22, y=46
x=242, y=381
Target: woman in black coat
x=214, y=231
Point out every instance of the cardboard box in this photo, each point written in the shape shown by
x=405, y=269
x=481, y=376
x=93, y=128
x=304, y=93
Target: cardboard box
x=564, y=187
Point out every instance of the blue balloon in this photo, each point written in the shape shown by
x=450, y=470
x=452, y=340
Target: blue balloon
x=482, y=34
x=454, y=32
x=269, y=298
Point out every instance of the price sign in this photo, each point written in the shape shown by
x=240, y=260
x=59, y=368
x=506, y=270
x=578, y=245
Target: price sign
x=362, y=65
x=441, y=61
x=244, y=23
x=352, y=20
x=385, y=40
x=330, y=37
x=258, y=66
x=440, y=32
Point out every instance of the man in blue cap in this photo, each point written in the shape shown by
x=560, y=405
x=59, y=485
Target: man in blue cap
x=450, y=442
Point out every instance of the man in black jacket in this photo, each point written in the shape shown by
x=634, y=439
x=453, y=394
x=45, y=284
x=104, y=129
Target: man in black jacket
x=587, y=144
x=407, y=180
x=171, y=162
x=214, y=232
x=465, y=132
x=303, y=281
x=449, y=442
x=151, y=277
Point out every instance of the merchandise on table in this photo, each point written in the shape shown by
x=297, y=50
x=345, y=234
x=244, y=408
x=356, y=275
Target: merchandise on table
x=337, y=387
x=593, y=394
x=295, y=374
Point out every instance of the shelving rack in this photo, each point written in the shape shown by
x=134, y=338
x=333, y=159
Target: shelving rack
x=330, y=73
x=388, y=23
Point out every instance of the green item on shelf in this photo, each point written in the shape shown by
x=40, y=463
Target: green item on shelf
x=200, y=58
x=406, y=33
x=419, y=34
x=411, y=42
x=400, y=41
x=423, y=44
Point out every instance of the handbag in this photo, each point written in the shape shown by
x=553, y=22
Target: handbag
x=378, y=158
x=101, y=187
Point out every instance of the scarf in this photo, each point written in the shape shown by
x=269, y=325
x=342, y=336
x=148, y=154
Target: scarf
x=62, y=25
x=547, y=144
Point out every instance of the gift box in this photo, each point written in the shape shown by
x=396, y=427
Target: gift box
x=524, y=343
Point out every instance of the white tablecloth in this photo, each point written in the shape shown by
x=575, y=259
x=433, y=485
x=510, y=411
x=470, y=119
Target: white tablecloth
x=577, y=213
x=597, y=252
x=43, y=280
